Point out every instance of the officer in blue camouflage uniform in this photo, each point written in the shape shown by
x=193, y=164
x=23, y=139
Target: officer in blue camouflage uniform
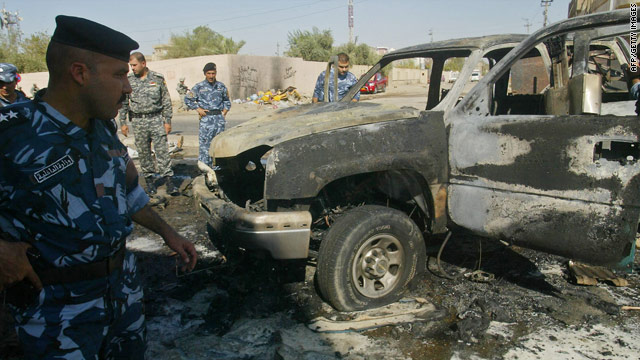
x=149, y=109
x=345, y=81
x=8, y=81
x=68, y=195
x=211, y=99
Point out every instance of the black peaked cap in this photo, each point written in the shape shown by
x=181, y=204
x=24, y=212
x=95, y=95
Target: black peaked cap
x=89, y=35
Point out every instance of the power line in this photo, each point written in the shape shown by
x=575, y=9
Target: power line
x=277, y=21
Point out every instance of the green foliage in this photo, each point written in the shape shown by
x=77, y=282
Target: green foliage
x=27, y=55
x=406, y=64
x=454, y=64
x=310, y=45
x=362, y=54
x=202, y=41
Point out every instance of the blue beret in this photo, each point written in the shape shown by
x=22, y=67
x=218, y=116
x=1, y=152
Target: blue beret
x=8, y=72
x=86, y=34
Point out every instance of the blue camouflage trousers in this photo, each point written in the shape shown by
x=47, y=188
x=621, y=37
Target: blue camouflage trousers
x=106, y=322
x=210, y=126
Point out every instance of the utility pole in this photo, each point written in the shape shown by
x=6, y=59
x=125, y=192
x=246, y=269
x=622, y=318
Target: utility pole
x=431, y=34
x=278, y=48
x=527, y=24
x=350, y=21
x=11, y=22
x=545, y=4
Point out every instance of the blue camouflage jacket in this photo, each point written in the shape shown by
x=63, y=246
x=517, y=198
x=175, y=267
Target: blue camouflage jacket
x=344, y=84
x=67, y=191
x=21, y=98
x=208, y=96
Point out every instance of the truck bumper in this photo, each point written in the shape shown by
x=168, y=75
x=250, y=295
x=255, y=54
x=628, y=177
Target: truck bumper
x=285, y=235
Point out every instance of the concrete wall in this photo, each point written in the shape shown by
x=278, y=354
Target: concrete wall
x=400, y=76
x=243, y=74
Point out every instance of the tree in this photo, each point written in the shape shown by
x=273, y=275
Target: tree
x=362, y=54
x=27, y=55
x=202, y=41
x=454, y=64
x=310, y=45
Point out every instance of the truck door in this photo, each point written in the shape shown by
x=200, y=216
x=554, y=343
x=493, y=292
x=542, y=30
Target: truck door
x=547, y=169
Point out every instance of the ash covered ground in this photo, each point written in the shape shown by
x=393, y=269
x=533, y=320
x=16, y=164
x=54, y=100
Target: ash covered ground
x=246, y=306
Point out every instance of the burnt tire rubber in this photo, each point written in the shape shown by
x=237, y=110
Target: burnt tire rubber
x=368, y=257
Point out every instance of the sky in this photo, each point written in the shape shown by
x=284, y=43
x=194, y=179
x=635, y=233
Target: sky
x=265, y=25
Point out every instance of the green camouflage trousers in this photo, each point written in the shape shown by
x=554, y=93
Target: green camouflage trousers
x=148, y=131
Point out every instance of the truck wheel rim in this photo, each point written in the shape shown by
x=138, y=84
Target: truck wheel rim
x=378, y=266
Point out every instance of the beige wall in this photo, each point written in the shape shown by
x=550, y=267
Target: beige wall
x=244, y=74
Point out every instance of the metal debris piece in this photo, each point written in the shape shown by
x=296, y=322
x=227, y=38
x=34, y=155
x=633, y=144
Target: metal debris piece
x=392, y=314
x=589, y=275
x=480, y=276
x=630, y=308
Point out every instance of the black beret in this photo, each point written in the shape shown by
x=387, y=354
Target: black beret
x=89, y=35
x=209, y=66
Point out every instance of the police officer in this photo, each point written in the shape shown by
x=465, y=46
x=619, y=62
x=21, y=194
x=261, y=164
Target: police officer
x=345, y=81
x=182, y=91
x=68, y=195
x=34, y=90
x=149, y=110
x=211, y=99
x=8, y=82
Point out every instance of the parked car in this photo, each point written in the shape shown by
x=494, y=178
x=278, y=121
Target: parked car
x=378, y=82
x=453, y=76
x=475, y=75
x=361, y=187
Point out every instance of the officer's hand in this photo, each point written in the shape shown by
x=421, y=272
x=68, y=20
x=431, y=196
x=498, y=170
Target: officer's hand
x=15, y=266
x=125, y=130
x=184, y=248
x=202, y=112
x=167, y=128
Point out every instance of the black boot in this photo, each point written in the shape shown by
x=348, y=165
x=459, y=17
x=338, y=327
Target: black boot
x=171, y=187
x=151, y=188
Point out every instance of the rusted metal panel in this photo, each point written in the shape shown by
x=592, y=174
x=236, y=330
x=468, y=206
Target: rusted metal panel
x=303, y=120
x=539, y=181
x=301, y=167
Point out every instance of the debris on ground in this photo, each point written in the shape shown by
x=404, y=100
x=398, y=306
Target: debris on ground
x=277, y=98
x=589, y=275
x=404, y=311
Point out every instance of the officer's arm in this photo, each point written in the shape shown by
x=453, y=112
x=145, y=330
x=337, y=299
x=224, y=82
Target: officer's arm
x=318, y=89
x=167, y=110
x=226, y=103
x=122, y=115
x=152, y=221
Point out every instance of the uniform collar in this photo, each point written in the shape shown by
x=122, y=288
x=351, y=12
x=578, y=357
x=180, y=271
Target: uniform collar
x=62, y=122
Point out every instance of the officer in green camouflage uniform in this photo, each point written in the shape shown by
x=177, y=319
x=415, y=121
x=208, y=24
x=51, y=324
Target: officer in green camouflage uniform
x=149, y=110
x=182, y=91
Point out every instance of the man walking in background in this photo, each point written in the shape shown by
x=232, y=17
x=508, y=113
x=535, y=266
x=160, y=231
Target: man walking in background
x=149, y=109
x=210, y=98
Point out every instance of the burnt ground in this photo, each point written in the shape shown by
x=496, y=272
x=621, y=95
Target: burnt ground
x=246, y=306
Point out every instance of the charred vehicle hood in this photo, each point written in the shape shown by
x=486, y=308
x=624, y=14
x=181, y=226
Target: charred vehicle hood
x=295, y=122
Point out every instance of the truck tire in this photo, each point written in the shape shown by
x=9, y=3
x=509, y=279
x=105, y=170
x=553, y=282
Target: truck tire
x=368, y=257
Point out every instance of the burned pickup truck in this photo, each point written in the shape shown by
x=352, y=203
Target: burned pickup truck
x=541, y=152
